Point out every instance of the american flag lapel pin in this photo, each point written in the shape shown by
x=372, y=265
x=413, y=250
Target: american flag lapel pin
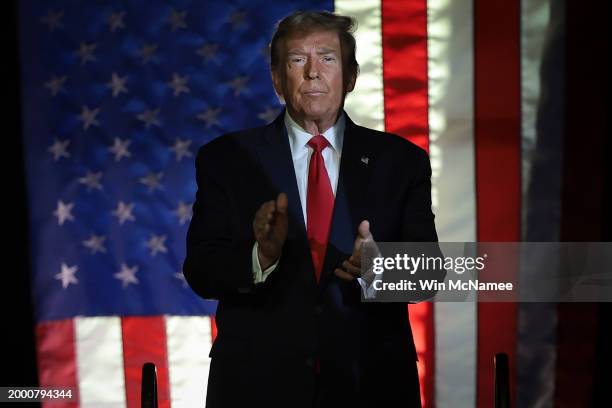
x=365, y=160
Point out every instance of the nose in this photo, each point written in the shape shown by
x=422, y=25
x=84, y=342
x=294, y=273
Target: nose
x=312, y=69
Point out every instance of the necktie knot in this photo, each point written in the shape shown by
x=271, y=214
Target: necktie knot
x=318, y=143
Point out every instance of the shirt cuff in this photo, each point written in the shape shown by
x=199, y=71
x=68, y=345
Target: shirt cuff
x=259, y=275
x=367, y=284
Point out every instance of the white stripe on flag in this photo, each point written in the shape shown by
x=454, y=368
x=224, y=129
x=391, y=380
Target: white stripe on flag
x=365, y=105
x=99, y=354
x=189, y=341
x=451, y=138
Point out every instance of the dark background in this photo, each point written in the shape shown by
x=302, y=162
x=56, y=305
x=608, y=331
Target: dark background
x=585, y=217
x=18, y=349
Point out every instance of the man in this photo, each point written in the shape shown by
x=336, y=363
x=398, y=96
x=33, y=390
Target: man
x=279, y=218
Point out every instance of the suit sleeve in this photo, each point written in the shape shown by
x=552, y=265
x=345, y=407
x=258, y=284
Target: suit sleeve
x=218, y=263
x=418, y=220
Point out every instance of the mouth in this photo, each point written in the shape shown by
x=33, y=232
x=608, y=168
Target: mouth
x=314, y=93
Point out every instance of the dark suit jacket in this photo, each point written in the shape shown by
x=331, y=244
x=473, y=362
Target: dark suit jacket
x=271, y=335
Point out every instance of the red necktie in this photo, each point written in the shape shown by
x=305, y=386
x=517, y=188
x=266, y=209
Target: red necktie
x=319, y=204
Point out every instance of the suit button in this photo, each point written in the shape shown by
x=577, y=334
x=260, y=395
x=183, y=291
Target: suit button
x=310, y=362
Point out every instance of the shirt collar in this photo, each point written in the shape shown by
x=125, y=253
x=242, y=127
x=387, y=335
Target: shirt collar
x=298, y=137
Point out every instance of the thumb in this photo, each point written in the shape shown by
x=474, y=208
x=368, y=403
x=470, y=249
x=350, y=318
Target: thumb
x=281, y=203
x=364, y=230
x=363, y=236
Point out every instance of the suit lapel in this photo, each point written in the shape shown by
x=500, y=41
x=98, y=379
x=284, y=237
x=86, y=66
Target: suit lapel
x=350, y=206
x=277, y=163
x=355, y=169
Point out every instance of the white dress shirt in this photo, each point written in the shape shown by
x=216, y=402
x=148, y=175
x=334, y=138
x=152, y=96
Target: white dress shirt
x=300, y=153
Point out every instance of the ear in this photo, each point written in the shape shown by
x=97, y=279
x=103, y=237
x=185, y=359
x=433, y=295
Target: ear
x=277, y=83
x=351, y=84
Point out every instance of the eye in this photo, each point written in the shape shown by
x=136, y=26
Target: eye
x=329, y=58
x=297, y=60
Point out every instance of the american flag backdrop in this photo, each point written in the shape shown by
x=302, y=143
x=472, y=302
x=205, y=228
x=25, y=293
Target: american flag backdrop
x=117, y=97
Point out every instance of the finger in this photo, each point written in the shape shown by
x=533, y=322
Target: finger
x=257, y=224
x=281, y=203
x=343, y=274
x=265, y=212
x=260, y=233
x=265, y=209
x=261, y=217
x=351, y=269
x=260, y=222
x=268, y=206
x=357, y=247
x=260, y=225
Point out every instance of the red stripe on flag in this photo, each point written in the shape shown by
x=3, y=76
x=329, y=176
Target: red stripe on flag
x=498, y=146
x=404, y=40
x=144, y=340
x=405, y=78
x=213, y=329
x=422, y=323
x=56, y=357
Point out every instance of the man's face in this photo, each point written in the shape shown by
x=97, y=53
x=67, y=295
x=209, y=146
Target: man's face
x=309, y=77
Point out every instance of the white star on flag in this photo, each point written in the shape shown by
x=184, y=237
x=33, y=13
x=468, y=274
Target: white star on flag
x=67, y=275
x=180, y=276
x=239, y=85
x=124, y=212
x=59, y=149
x=127, y=275
x=177, y=19
x=208, y=52
x=53, y=20
x=181, y=149
x=56, y=85
x=156, y=244
x=237, y=19
x=120, y=149
x=86, y=52
x=95, y=243
x=269, y=114
x=179, y=84
x=153, y=181
x=183, y=212
x=88, y=117
x=115, y=21
x=146, y=52
x=210, y=116
x=117, y=84
x=63, y=212
x=149, y=117
x=92, y=180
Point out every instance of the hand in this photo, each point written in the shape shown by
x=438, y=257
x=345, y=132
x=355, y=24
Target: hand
x=352, y=266
x=270, y=227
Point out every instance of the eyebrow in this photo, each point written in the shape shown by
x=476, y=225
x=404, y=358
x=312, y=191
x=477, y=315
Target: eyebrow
x=320, y=51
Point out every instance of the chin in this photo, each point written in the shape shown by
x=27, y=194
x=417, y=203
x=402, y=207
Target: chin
x=316, y=112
